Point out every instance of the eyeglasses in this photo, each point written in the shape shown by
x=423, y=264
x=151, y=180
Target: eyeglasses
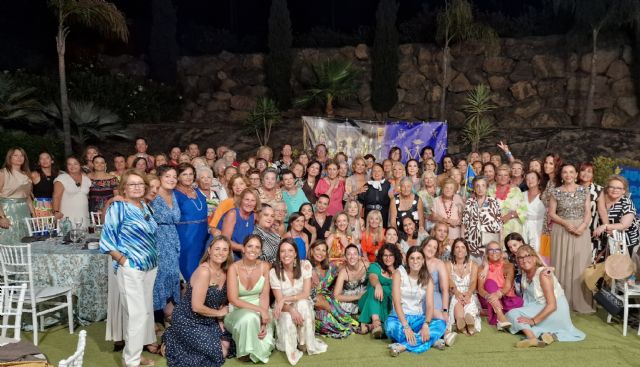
x=141, y=184
x=616, y=188
x=494, y=250
x=523, y=257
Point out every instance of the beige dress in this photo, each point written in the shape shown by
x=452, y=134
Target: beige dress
x=13, y=198
x=288, y=335
x=571, y=254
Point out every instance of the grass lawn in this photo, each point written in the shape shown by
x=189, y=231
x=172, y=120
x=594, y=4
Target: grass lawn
x=604, y=347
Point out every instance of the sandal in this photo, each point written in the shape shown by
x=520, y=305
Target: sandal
x=395, y=349
x=527, y=343
x=163, y=350
x=377, y=331
x=471, y=323
x=549, y=338
x=364, y=329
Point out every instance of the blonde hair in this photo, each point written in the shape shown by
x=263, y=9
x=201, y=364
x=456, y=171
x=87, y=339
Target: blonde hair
x=619, y=178
x=380, y=230
x=125, y=178
x=335, y=221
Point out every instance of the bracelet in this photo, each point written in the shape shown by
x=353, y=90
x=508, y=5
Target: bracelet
x=508, y=154
x=406, y=327
x=445, y=310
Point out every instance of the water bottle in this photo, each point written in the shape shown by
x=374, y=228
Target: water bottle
x=65, y=226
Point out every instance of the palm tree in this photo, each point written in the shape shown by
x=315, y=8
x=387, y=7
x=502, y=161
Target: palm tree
x=477, y=126
x=262, y=118
x=456, y=24
x=596, y=16
x=18, y=103
x=335, y=80
x=98, y=14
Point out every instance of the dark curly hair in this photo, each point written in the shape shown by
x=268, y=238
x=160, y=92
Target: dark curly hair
x=397, y=256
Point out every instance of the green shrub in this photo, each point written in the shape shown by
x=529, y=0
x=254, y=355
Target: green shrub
x=603, y=167
x=132, y=100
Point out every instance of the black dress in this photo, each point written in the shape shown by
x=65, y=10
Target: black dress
x=193, y=340
x=374, y=199
x=321, y=230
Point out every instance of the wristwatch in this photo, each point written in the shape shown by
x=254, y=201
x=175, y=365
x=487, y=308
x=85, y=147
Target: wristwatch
x=445, y=310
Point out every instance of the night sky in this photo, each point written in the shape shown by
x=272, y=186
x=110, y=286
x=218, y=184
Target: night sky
x=27, y=28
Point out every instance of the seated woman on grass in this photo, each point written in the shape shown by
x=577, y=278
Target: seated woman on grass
x=375, y=304
x=545, y=313
x=411, y=325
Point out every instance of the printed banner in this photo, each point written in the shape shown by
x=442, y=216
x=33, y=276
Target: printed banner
x=632, y=174
x=359, y=137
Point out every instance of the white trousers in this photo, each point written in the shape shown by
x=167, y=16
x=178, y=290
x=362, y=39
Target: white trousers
x=136, y=296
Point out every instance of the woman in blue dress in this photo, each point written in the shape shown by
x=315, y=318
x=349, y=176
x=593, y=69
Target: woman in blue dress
x=166, y=212
x=192, y=227
x=196, y=336
x=238, y=223
x=296, y=232
x=545, y=313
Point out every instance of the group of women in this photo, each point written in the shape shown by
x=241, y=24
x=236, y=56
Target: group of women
x=274, y=253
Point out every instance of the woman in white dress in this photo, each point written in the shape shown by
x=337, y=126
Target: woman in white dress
x=293, y=311
x=463, y=277
x=70, y=193
x=532, y=227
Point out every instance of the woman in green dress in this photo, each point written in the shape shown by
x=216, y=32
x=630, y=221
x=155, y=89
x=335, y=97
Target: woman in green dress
x=331, y=319
x=375, y=304
x=248, y=288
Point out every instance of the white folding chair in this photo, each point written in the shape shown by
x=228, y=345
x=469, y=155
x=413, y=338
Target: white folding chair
x=11, y=302
x=39, y=226
x=620, y=288
x=76, y=359
x=17, y=269
x=96, y=218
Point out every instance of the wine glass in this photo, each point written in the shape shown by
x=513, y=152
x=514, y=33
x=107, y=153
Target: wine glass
x=78, y=222
x=74, y=235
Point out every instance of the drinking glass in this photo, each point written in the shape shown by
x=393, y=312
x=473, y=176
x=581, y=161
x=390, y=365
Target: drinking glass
x=74, y=235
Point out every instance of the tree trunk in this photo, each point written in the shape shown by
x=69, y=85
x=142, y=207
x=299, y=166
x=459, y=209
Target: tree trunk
x=64, y=98
x=445, y=80
x=329, y=106
x=589, y=115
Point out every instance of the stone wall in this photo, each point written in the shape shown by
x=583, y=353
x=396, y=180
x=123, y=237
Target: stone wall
x=538, y=87
x=534, y=83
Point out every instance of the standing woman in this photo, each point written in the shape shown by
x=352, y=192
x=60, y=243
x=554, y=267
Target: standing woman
x=356, y=183
x=129, y=236
x=448, y=207
x=192, y=227
x=413, y=172
x=239, y=222
x=204, y=179
x=569, y=209
x=290, y=280
x=286, y=161
x=536, y=211
x=333, y=187
x=513, y=206
x=311, y=178
x=166, y=212
x=427, y=194
x=447, y=165
x=249, y=319
x=376, y=303
x=412, y=325
x=269, y=192
x=482, y=220
x=70, y=193
x=90, y=152
x=395, y=154
x=15, y=196
x=550, y=172
x=407, y=204
x=489, y=171
x=103, y=185
x=463, y=278
x=196, y=336
x=270, y=239
x=42, y=178
x=331, y=319
x=376, y=197
x=585, y=179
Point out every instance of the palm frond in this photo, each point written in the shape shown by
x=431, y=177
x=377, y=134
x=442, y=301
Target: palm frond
x=100, y=15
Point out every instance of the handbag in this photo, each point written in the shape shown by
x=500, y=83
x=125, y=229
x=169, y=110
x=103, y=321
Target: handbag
x=593, y=273
x=609, y=302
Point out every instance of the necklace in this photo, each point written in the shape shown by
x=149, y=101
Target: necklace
x=193, y=201
x=448, y=211
x=249, y=270
x=501, y=194
x=217, y=274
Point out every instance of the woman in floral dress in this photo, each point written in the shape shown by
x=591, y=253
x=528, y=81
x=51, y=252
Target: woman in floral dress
x=331, y=319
